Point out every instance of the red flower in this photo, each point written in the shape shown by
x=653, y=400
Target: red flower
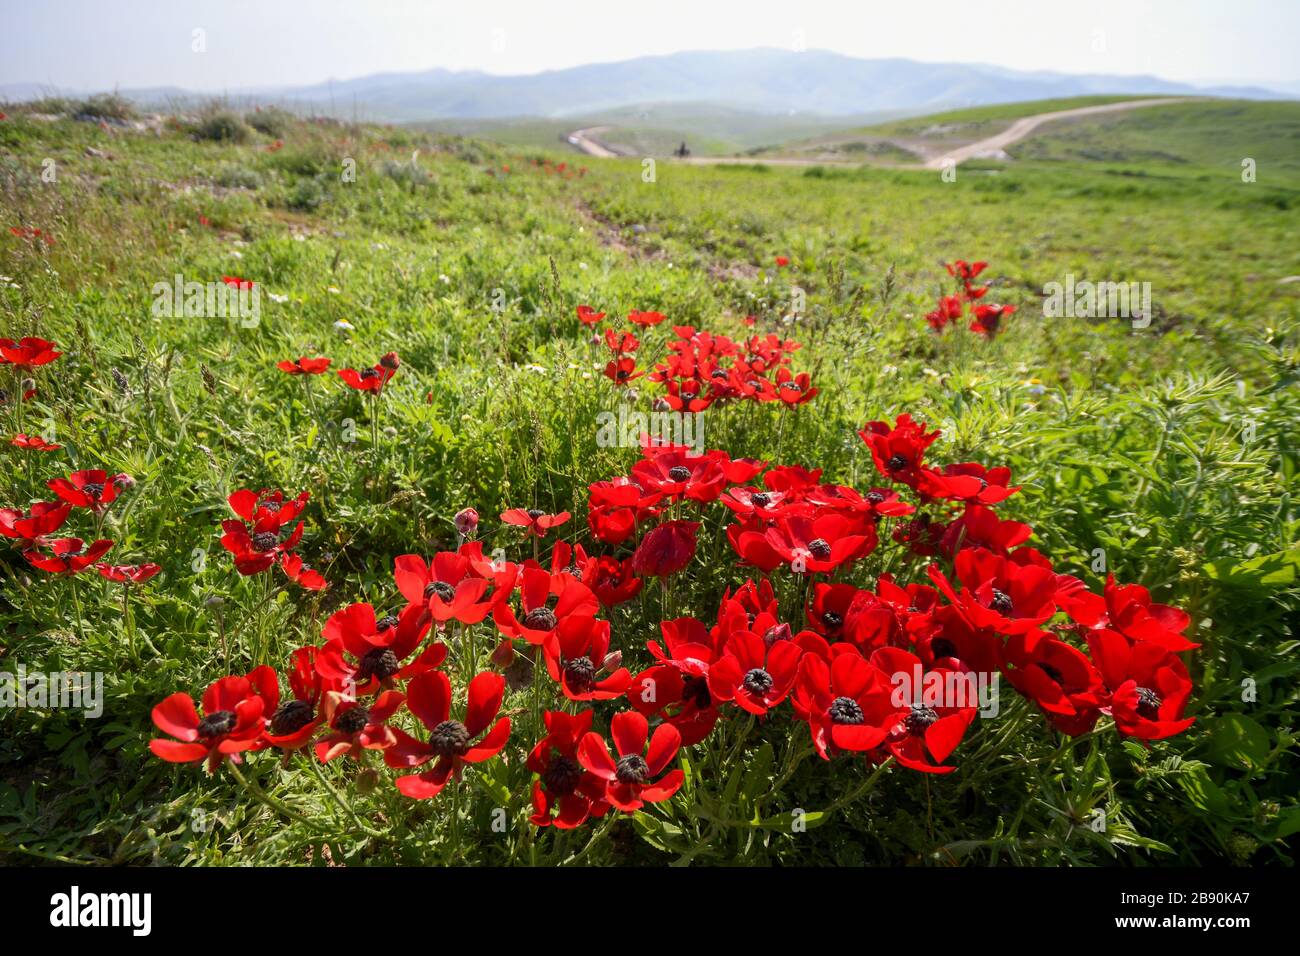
x=301, y=573
x=962, y=269
x=451, y=743
x=536, y=520
x=623, y=370
x=94, y=489
x=677, y=474
x=629, y=780
x=752, y=673
x=304, y=366
x=538, y=621
x=589, y=316
x=621, y=343
x=369, y=379
x=28, y=352
x=666, y=549
x=898, y=450
x=33, y=443
x=1059, y=679
x=645, y=319
x=845, y=703
x=1000, y=594
x=232, y=723
x=128, y=573
x=1129, y=610
x=813, y=545
x=235, y=282
x=563, y=784
x=465, y=520
x=290, y=725
x=575, y=655
x=949, y=310
x=970, y=482
x=793, y=389
x=988, y=317
x=68, y=555
x=980, y=527
x=356, y=726
x=1149, y=686
x=31, y=528
x=377, y=646
x=449, y=587
x=611, y=580
x=923, y=734
x=782, y=261
x=257, y=541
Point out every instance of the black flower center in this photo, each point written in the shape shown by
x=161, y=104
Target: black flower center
x=760, y=499
x=441, y=588
x=369, y=373
x=291, y=717
x=896, y=463
x=540, y=619
x=832, y=621
x=792, y=386
x=353, y=720
x=819, y=549
x=579, y=674
x=380, y=662
x=1001, y=602
x=214, y=725
x=265, y=540
x=535, y=513
x=757, y=681
x=942, y=647
x=449, y=739
x=562, y=775
x=696, y=689
x=679, y=473
x=632, y=769
x=574, y=572
x=846, y=710
x=875, y=497
x=919, y=720
x=387, y=622
x=1148, y=703
x=93, y=488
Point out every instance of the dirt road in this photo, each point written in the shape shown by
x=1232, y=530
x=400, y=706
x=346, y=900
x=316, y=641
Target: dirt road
x=583, y=139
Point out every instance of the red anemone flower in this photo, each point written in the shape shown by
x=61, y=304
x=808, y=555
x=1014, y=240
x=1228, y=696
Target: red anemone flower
x=575, y=654
x=235, y=282
x=988, y=318
x=629, y=780
x=369, y=379
x=1148, y=685
x=898, y=450
x=845, y=703
x=28, y=352
x=666, y=549
x=33, y=443
x=782, y=261
x=378, y=647
x=31, y=528
x=94, y=489
x=301, y=573
x=535, y=520
x=451, y=743
x=538, y=621
x=291, y=724
x=449, y=586
x=623, y=370
x=923, y=733
x=68, y=555
x=232, y=723
x=128, y=573
x=304, y=366
x=752, y=673
x=645, y=319
x=611, y=580
x=565, y=794
x=357, y=727
x=589, y=316
x=621, y=343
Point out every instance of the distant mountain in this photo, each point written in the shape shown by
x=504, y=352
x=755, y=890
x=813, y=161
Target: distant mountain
x=765, y=80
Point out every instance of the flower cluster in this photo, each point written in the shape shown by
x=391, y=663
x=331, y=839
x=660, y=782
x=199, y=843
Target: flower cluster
x=985, y=318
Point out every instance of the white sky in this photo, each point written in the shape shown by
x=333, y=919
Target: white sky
x=132, y=43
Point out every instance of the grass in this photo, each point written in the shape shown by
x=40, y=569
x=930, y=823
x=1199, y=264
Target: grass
x=1170, y=448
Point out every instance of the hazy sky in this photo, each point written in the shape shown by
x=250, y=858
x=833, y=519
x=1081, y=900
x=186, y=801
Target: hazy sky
x=131, y=43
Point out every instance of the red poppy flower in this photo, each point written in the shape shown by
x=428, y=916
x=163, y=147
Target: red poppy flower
x=235, y=282
x=31, y=528
x=794, y=389
x=67, y=555
x=898, y=450
x=451, y=744
x=816, y=545
x=845, y=703
x=645, y=319
x=1129, y=610
x=678, y=474
x=301, y=573
x=575, y=654
x=753, y=674
x=232, y=723
x=629, y=780
x=128, y=573
x=623, y=370
x=1060, y=679
x=94, y=489
x=448, y=586
x=33, y=443
x=538, y=620
x=291, y=724
x=356, y=727
x=377, y=647
x=666, y=549
x=589, y=316
x=368, y=379
x=611, y=580
x=782, y=261
x=999, y=594
x=949, y=310
x=258, y=541
x=988, y=318
x=535, y=520
x=304, y=366
x=28, y=352
x=922, y=734
x=969, y=482
x=621, y=343
x=1148, y=685
x=565, y=794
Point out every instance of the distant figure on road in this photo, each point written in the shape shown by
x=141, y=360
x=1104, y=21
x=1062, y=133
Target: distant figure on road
x=681, y=152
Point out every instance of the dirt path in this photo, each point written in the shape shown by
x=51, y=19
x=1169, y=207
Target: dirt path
x=583, y=139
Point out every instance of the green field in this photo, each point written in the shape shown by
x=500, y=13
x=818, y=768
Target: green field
x=1170, y=447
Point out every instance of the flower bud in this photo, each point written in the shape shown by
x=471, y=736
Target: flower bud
x=466, y=521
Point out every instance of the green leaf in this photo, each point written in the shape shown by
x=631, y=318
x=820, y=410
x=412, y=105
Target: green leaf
x=1234, y=740
x=1277, y=570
